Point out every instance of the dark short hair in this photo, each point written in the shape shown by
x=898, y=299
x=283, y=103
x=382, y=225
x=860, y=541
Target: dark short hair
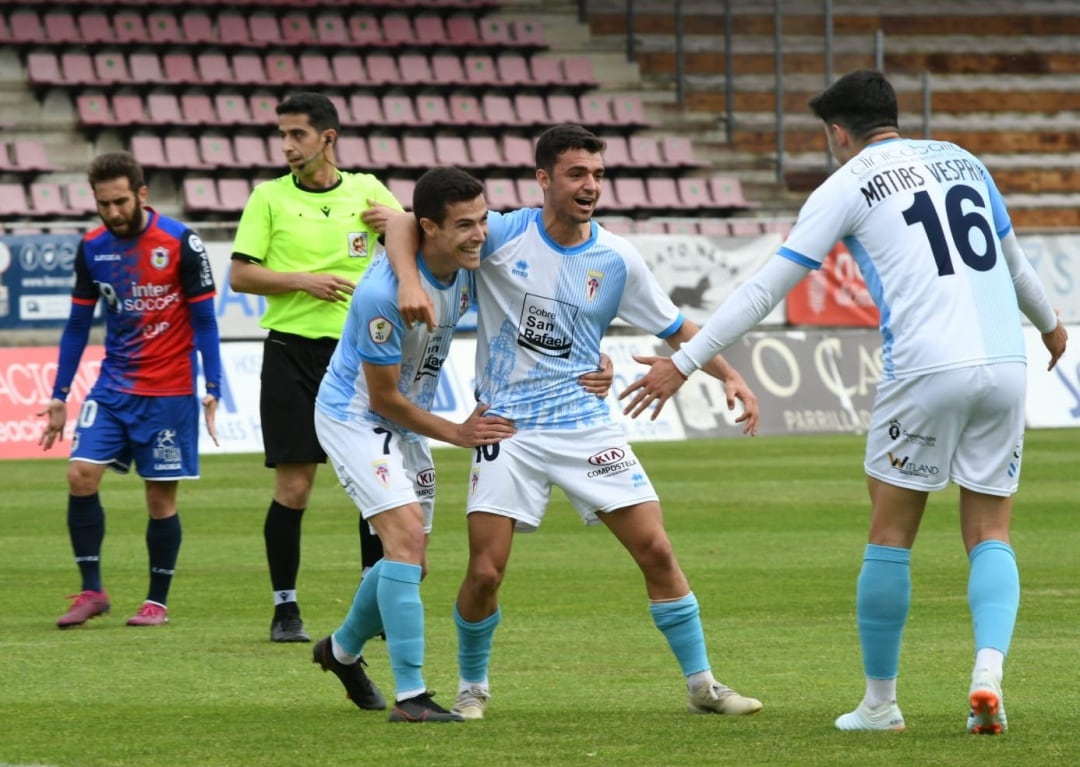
x=860, y=102
x=441, y=187
x=111, y=165
x=320, y=111
x=562, y=138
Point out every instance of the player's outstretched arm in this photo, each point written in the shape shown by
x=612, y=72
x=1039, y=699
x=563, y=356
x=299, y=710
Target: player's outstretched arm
x=402, y=242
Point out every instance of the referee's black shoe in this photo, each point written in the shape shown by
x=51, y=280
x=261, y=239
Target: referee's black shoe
x=421, y=709
x=358, y=688
x=288, y=627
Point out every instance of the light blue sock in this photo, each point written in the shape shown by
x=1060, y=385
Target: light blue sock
x=474, y=645
x=363, y=620
x=403, y=618
x=680, y=623
x=993, y=594
x=882, y=599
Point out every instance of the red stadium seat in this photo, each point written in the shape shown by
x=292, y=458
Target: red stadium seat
x=149, y=151
x=432, y=110
x=92, y=110
x=111, y=69
x=495, y=33
x=198, y=109
x=248, y=69
x=480, y=70
x=216, y=152
x=462, y=32
x=402, y=189
x=501, y=194
x=629, y=192
x=663, y=193
x=513, y=69
x=429, y=30
x=145, y=69
x=264, y=29
x=382, y=69
x=13, y=200
x=31, y=155
x=331, y=29
x=465, y=110
x=128, y=109
x=596, y=111
x=200, y=195
x=78, y=68
x=578, y=71
x=197, y=28
x=233, y=30
x=231, y=109
x=446, y=69
x=183, y=152
x=180, y=68
x=94, y=28
x=129, y=27
x=531, y=110
x=385, y=151
x=529, y=33
x=250, y=152
x=451, y=150
x=364, y=30
x=563, y=108
x=281, y=70
x=214, y=68
x=233, y=193
x=296, y=29
x=43, y=68
x=351, y=153
x=163, y=109
x=418, y=152
x=727, y=192
x=398, y=110
x=695, y=193
x=415, y=69
x=60, y=28
x=645, y=152
x=498, y=110
x=629, y=111
x=518, y=151
x=315, y=69
x=262, y=109
x=548, y=70
x=366, y=108
x=617, y=152
x=162, y=27
x=678, y=152
x=485, y=152
x=25, y=27
x=530, y=193
x=348, y=69
x=80, y=200
x=397, y=30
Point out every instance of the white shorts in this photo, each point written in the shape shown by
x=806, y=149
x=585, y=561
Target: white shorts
x=595, y=467
x=966, y=425
x=378, y=469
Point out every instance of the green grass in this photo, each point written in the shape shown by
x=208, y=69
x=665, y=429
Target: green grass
x=770, y=532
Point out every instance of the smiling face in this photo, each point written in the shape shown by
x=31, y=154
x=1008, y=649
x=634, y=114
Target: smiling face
x=120, y=206
x=572, y=188
x=455, y=244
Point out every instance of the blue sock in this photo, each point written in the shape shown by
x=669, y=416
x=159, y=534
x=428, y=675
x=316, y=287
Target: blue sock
x=474, y=645
x=363, y=620
x=680, y=623
x=403, y=618
x=882, y=598
x=163, y=538
x=86, y=527
x=993, y=594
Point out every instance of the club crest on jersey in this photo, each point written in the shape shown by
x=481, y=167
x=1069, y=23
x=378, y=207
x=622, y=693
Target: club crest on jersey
x=159, y=258
x=380, y=329
x=592, y=284
x=358, y=245
x=382, y=472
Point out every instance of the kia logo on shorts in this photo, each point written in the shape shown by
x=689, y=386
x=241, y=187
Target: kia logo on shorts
x=604, y=457
x=425, y=478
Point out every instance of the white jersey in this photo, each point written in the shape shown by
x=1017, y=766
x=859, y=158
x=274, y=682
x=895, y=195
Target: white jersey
x=542, y=310
x=923, y=219
x=374, y=333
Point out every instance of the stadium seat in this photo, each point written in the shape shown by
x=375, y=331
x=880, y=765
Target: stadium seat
x=513, y=69
x=431, y=110
x=382, y=69
x=80, y=200
x=46, y=199
x=262, y=109
x=429, y=30
x=402, y=189
x=182, y=152
x=331, y=29
x=629, y=192
x=465, y=110
x=213, y=68
x=577, y=71
x=616, y=152
x=714, y=227
x=281, y=70
x=181, y=69
x=77, y=68
x=518, y=152
x=216, y=152
x=498, y=110
x=531, y=110
x=678, y=151
x=13, y=200
x=197, y=28
x=248, y=69
x=163, y=109
x=162, y=27
x=94, y=28
x=414, y=69
x=563, y=108
x=200, y=195
x=501, y=194
x=645, y=152
x=31, y=155
x=341, y=104
x=43, y=68
x=197, y=109
x=233, y=30
x=451, y=150
x=231, y=109
x=480, y=70
x=264, y=29
x=548, y=71
x=385, y=151
x=528, y=33
x=663, y=193
x=695, y=193
x=348, y=69
x=25, y=28
x=60, y=28
x=727, y=192
x=233, y=193
x=364, y=30
x=366, y=109
x=530, y=193
x=128, y=109
x=485, y=152
x=111, y=69
x=250, y=152
x=398, y=111
x=495, y=33
x=447, y=70
x=629, y=111
x=418, y=152
x=315, y=69
x=596, y=111
x=149, y=151
x=462, y=32
x=145, y=69
x=351, y=153
x=92, y=111
x=129, y=27
x=397, y=30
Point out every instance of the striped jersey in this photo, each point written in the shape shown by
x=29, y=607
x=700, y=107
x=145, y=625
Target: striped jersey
x=146, y=283
x=542, y=310
x=924, y=221
x=374, y=333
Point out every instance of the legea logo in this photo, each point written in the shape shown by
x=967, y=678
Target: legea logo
x=604, y=457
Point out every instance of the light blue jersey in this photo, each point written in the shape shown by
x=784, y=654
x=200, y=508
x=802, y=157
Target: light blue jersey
x=924, y=221
x=542, y=310
x=374, y=333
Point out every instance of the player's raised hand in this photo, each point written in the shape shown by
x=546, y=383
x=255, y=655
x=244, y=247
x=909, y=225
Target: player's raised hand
x=56, y=412
x=479, y=429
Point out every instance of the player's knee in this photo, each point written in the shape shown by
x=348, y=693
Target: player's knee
x=485, y=577
x=82, y=480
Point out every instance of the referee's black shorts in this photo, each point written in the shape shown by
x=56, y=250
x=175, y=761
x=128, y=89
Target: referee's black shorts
x=292, y=369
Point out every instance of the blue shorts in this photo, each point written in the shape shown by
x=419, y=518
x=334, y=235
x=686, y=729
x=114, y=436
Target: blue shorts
x=160, y=434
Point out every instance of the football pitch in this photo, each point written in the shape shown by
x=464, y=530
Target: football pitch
x=769, y=530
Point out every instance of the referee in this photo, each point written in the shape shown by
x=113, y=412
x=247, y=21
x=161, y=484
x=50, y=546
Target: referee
x=303, y=241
